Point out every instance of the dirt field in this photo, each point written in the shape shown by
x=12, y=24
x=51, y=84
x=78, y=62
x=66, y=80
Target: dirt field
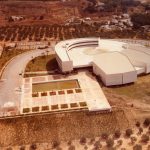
x=137, y=93
x=64, y=126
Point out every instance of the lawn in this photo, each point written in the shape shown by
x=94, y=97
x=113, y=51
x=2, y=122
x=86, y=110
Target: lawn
x=42, y=63
x=138, y=90
x=55, y=85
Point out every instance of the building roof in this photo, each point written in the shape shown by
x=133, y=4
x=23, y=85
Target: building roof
x=113, y=63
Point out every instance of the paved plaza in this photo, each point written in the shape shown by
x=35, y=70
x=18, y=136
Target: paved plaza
x=89, y=95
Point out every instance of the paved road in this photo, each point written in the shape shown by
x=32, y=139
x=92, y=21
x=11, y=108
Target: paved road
x=11, y=80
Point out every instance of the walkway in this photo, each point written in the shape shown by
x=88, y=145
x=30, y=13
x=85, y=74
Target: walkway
x=11, y=81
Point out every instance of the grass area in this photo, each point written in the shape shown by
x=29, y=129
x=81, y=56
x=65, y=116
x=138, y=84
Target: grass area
x=42, y=63
x=8, y=54
x=139, y=90
x=56, y=85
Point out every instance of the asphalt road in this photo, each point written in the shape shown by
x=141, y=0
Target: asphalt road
x=11, y=81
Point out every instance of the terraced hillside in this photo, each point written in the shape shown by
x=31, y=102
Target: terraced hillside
x=65, y=126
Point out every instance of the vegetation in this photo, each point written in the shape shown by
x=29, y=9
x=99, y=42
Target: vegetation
x=110, y=142
x=22, y=148
x=104, y=136
x=147, y=122
x=137, y=142
x=137, y=147
x=55, y=144
x=129, y=132
x=71, y=147
x=97, y=144
x=111, y=5
x=145, y=138
x=62, y=32
x=33, y=146
x=138, y=124
x=117, y=134
x=83, y=140
x=8, y=54
x=140, y=19
x=42, y=63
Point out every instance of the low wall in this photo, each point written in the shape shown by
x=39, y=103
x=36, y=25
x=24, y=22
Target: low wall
x=63, y=126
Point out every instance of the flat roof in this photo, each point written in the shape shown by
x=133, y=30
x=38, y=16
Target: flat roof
x=113, y=63
x=136, y=55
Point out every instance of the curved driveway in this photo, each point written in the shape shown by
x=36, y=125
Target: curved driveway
x=11, y=81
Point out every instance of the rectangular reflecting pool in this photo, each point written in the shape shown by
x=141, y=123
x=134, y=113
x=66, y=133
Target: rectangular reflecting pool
x=55, y=85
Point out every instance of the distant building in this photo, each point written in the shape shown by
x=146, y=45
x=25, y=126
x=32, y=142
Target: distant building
x=16, y=18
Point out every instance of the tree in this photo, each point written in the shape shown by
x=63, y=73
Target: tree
x=137, y=147
x=83, y=140
x=97, y=144
x=139, y=19
x=129, y=132
x=71, y=147
x=58, y=148
x=140, y=130
x=138, y=124
x=55, y=144
x=133, y=139
x=146, y=122
x=92, y=141
x=69, y=142
x=110, y=142
x=9, y=148
x=85, y=147
x=104, y=136
x=33, y=146
x=22, y=148
x=117, y=134
x=120, y=142
x=145, y=138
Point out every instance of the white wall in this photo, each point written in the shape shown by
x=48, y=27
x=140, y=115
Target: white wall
x=114, y=79
x=67, y=66
x=129, y=77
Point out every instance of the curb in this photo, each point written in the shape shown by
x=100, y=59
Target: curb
x=3, y=68
x=6, y=64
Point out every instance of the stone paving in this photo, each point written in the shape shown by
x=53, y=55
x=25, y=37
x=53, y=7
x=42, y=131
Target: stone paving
x=89, y=95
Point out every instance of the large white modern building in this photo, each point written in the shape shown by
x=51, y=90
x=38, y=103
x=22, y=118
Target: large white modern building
x=115, y=62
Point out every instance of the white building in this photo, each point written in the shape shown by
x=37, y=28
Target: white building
x=113, y=61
